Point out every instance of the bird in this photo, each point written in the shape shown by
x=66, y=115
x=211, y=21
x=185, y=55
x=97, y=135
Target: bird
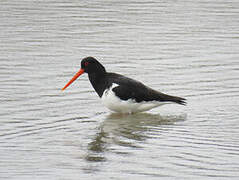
x=119, y=93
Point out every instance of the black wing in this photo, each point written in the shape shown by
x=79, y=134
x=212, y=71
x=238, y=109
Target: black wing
x=132, y=89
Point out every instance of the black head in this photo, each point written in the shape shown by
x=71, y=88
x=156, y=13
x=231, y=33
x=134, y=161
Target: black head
x=91, y=65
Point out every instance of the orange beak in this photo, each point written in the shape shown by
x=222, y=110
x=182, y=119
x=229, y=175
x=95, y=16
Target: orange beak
x=80, y=72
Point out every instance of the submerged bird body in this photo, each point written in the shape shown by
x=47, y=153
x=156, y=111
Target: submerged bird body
x=122, y=94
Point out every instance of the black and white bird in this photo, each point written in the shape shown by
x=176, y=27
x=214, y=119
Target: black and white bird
x=122, y=94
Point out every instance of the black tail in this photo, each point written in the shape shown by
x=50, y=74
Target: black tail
x=178, y=100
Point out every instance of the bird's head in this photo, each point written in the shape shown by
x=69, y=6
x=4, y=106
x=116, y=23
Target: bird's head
x=91, y=65
x=88, y=65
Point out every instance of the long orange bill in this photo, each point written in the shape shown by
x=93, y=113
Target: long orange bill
x=80, y=72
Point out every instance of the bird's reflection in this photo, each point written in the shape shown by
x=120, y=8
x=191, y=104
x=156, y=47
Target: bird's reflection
x=127, y=130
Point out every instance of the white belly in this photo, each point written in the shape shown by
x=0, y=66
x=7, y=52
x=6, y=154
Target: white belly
x=111, y=101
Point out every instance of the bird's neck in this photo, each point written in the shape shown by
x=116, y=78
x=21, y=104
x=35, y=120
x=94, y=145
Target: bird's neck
x=98, y=81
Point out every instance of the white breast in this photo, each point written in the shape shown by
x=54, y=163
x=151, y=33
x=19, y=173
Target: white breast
x=111, y=101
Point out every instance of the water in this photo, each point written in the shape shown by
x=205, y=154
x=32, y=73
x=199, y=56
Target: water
x=185, y=48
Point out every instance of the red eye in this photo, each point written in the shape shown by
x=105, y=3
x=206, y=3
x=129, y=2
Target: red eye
x=86, y=63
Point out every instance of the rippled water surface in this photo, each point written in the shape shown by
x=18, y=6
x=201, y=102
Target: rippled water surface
x=186, y=48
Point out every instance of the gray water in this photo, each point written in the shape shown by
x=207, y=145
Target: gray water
x=186, y=48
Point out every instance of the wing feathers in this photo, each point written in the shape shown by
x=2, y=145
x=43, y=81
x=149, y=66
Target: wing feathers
x=131, y=89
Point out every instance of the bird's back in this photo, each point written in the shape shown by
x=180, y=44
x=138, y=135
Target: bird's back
x=131, y=89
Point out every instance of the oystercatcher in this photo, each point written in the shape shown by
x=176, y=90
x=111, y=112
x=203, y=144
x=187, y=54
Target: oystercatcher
x=119, y=93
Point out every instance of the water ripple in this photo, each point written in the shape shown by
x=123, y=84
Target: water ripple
x=183, y=48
